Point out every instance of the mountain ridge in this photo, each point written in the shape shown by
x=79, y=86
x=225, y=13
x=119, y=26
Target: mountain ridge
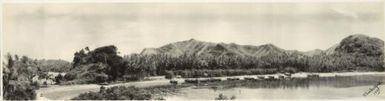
x=202, y=48
x=195, y=47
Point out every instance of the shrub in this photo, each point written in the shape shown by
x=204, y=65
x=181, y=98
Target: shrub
x=69, y=76
x=58, y=79
x=116, y=93
x=169, y=75
x=20, y=91
x=101, y=78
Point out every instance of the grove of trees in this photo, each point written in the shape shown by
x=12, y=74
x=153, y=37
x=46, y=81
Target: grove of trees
x=104, y=64
x=19, y=73
x=192, y=66
x=17, y=78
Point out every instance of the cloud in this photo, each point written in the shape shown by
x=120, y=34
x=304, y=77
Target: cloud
x=58, y=30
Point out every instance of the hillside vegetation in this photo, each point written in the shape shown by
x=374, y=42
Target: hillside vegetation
x=190, y=58
x=193, y=58
x=100, y=65
x=20, y=74
x=130, y=93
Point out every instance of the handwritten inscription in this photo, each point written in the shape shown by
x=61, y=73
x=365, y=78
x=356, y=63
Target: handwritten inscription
x=375, y=90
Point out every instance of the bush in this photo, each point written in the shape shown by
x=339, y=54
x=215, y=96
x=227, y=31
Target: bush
x=100, y=78
x=20, y=91
x=132, y=77
x=169, y=75
x=45, y=83
x=58, y=79
x=69, y=76
x=116, y=93
x=35, y=84
x=290, y=70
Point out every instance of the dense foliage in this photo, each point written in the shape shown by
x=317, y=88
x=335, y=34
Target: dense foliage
x=116, y=93
x=354, y=53
x=129, y=93
x=17, y=78
x=54, y=65
x=106, y=55
x=192, y=66
x=101, y=65
x=21, y=74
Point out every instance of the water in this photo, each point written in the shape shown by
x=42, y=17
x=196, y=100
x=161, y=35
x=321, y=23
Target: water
x=350, y=87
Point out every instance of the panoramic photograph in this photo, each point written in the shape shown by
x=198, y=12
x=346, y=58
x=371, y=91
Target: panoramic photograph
x=193, y=51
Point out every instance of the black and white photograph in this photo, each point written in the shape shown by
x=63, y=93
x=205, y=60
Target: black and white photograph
x=192, y=50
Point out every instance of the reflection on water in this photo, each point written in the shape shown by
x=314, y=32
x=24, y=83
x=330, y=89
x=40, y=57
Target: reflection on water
x=296, y=88
x=337, y=82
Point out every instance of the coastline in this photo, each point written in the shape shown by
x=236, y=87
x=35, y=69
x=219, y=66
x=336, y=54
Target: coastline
x=68, y=90
x=294, y=75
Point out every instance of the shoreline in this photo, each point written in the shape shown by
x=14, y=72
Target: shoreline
x=294, y=75
x=73, y=90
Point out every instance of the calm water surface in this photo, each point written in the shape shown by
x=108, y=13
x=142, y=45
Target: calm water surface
x=351, y=87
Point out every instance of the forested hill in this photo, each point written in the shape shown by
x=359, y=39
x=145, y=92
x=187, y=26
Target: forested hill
x=193, y=58
x=361, y=45
x=200, y=48
x=354, y=53
x=355, y=44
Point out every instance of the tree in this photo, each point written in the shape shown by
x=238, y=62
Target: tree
x=106, y=57
x=20, y=86
x=87, y=49
x=24, y=59
x=100, y=78
x=170, y=75
x=16, y=57
x=58, y=78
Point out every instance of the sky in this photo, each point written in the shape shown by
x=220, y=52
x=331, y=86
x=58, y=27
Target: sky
x=57, y=31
